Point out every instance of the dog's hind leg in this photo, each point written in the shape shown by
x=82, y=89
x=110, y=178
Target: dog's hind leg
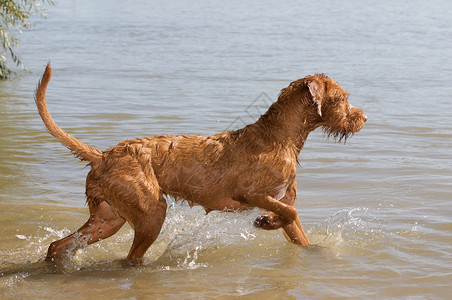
x=147, y=224
x=102, y=223
x=139, y=200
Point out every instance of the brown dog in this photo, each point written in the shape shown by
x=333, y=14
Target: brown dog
x=252, y=167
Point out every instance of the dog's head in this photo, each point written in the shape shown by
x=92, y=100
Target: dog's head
x=336, y=115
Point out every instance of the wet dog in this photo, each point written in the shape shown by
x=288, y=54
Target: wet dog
x=251, y=167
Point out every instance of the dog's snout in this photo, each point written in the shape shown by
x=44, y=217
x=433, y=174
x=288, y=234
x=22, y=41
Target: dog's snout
x=365, y=117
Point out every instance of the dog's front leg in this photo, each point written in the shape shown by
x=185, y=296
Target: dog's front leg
x=294, y=231
x=283, y=214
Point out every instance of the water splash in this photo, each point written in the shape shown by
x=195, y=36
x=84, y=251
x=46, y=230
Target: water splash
x=188, y=234
x=189, y=238
x=35, y=246
x=348, y=229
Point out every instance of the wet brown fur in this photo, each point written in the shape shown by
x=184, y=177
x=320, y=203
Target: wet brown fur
x=252, y=167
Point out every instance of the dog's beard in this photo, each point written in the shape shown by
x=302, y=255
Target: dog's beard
x=345, y=129
x=337, y=134
x=342, y=132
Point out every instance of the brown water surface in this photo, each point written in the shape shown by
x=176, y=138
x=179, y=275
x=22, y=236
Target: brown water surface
x=377, y=209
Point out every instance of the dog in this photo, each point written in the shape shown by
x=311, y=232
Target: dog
x=251, y=167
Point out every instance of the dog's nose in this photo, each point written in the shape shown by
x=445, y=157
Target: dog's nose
x=365, y=117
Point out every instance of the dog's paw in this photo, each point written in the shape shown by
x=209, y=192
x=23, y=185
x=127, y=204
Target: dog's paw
x=269, y=222
x=261, y=221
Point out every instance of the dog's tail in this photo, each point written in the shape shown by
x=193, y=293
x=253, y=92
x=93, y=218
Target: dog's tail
x=78, y=148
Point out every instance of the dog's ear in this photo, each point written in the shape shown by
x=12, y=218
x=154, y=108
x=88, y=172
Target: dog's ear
x=317, y=90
